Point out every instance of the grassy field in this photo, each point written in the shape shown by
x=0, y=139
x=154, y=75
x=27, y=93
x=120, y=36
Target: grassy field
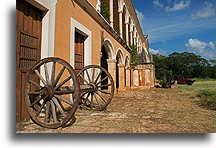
x=203, y=91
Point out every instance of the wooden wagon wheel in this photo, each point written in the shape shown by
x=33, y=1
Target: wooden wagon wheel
x=102, y=86
x=47, y=100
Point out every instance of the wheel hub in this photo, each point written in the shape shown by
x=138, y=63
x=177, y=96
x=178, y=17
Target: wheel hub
x=94, y=88
x=47, y=91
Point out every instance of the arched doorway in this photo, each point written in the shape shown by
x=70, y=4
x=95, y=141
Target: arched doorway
x=119, y=60
x=106, y=53
x=127, y=72
x=104, y=64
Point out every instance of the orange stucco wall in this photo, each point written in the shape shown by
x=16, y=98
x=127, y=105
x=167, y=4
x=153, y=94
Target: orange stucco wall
x=67, y=9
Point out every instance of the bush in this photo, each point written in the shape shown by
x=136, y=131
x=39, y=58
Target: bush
x=134, y=59
x=207, y=99
x=165, y=83
x=105, y=11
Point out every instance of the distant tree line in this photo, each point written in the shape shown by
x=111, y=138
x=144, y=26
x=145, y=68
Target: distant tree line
x=187, y=64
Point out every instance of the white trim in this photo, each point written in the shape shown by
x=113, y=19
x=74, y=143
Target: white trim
x=76, y=26
x=121, y=59
x=111, y=53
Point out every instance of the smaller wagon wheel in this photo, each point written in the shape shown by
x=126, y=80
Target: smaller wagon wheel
x=100, y=84
x=52, y=93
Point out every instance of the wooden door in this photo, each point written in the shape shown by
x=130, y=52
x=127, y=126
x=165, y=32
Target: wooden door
x=28, y=49
x=79, y=52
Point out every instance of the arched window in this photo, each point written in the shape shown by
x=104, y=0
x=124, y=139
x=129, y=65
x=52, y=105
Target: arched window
x=123, y=23
x=116, y=15
x=105, y=9
x=129, y=37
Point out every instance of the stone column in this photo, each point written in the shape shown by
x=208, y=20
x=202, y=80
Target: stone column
x=128, y=77
x=121, y=76
x=127, y=35
x=112, y=69
x=120, y=23
x=111, y=12
x=131, y=37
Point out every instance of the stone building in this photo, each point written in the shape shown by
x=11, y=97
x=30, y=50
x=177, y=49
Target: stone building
x=102, y=29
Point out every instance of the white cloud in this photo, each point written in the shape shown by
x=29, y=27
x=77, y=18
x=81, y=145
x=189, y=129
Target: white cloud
x=157, y=3
x=153, y=51
x=178, y=6
x=207, y=11
x=140, y=15
x=206, y=50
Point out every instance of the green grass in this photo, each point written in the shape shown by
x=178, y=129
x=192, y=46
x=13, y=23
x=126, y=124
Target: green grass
x=203, y=90
x=207, y=99
x=203, y=79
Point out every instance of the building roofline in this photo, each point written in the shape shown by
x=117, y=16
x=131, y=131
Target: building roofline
x=90, y=9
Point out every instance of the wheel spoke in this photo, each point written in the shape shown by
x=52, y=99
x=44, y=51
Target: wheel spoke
x=83, y=78
x=97, y=100
x=59, y=76
x=98, y=76
x=63, y=99
x=63, y=82
x=35, y=84
x=86, y=99
x=101, y=97
x=36, y=101
x=53, y=72
x=88, y=76
x=47, y=111
x=104, y=85
x=41, y=78
x=91, y=100
x=38, y=112
x=46, y=73
x=105, y=92
x=53, y=108
x=102, y=80
x=34, y=93
x=58, y=105
x=93, y=73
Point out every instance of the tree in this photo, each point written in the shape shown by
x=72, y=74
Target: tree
x=161, y=66
x=134, y=54
x=186, y=64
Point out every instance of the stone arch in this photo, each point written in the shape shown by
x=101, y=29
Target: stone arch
x=109, y=48
x=127, y=61
x=129, y=30
x=127, y=71
x=124, y=20
x=119, y=61
x=119, y=56
x=107, y=52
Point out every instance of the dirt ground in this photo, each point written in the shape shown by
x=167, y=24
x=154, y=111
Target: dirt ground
x=139, y=111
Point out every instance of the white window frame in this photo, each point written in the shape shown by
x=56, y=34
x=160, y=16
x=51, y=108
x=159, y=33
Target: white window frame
x=76, y=26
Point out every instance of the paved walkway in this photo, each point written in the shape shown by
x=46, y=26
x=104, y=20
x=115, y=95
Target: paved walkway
x=139, y=111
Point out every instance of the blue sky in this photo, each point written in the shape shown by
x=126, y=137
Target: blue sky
x=179, y=25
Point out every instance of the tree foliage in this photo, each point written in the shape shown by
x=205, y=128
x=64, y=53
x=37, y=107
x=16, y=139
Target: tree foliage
x=105, y=11
x=134, y=54
x=186, y=64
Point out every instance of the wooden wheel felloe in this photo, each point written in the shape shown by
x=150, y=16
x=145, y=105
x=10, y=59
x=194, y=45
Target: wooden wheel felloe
x=101, y=84
x=48, y=97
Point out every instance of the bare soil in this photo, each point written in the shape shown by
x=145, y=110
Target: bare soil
x=139, y=111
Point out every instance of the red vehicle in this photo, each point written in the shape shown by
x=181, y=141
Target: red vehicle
x=181, y=80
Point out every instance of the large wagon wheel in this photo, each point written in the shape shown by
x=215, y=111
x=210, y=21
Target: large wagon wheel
x=102, y=86
x=49, y=100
